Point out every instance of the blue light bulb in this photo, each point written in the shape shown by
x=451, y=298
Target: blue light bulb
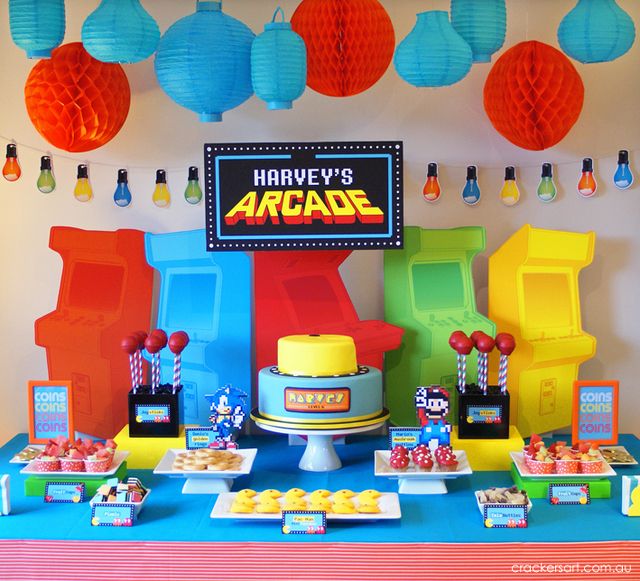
x=623, y=178
x=471, y=191
x=122, y=195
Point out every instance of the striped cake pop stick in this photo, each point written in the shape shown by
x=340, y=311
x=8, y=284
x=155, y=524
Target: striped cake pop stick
x=177, y=342
x=506, y=344
x=462, y=345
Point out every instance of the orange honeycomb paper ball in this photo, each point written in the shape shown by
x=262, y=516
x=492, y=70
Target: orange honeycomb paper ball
x=533, y=95
x=76, y=102
x=350, y=44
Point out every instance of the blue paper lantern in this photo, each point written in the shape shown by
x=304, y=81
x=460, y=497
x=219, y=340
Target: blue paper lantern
x=278, y=64
x=120, y=31
x=203, y=61
x=482, y=23
x=596, y=31
x=37, y=26
x=433, y=54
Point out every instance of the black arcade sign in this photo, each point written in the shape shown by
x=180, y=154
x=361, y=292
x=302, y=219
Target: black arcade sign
x=293, y=196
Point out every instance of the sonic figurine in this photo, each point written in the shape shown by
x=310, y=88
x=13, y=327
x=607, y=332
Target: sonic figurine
x=432, y=406
x=228, y=407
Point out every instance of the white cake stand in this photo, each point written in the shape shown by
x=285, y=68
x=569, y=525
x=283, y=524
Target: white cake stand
x=320, y=454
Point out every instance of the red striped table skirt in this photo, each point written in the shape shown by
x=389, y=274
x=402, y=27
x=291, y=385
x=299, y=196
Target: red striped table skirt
x=24, y=560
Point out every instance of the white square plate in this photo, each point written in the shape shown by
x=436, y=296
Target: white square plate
x=383, y=468
x=518, y=460
x=165, y=466
x=388, y=502
x=118, y=458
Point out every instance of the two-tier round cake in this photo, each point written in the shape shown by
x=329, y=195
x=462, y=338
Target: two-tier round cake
x=317, y=384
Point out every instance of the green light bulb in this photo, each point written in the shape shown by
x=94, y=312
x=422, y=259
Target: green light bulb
x=546, y=188
x=46, y=182
x=193, y=193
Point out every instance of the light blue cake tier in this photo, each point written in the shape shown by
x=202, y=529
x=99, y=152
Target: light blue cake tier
x=319, y=400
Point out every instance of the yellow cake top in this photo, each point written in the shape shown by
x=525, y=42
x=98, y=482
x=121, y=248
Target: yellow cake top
x=317, y=355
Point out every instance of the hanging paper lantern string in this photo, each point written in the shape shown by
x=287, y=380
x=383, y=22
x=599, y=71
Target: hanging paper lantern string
x=37, y=26
x=278, y=64
x=76, y=102
x=482, y=24
x=203, y=62
x=596, y=31
x=120, y=32
x=533, y=95
x=433, y=54
x=349, y=44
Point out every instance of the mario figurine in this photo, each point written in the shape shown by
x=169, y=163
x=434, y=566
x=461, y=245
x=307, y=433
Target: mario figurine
x=432, y=406
x=228, y=407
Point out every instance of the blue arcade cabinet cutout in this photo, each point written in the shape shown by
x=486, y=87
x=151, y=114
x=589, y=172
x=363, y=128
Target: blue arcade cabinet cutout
x=206, y=294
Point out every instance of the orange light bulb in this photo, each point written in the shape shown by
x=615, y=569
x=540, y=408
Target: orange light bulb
x=431, y=189
x=11, y=170
x=587, y=185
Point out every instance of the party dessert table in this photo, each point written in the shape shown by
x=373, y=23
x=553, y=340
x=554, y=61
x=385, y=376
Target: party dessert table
x=438, y=536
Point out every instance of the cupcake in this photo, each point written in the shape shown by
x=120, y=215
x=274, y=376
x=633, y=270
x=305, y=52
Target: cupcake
x=98, y=462
x=399, y=458
x=72, y=461
x=46, y=463
x=591, y=461
x=421, y=456
x=566, y=462
x=446, y=459
x=542, y=462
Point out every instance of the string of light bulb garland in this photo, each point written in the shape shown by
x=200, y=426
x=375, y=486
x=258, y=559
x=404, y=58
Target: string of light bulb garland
x=546, y=191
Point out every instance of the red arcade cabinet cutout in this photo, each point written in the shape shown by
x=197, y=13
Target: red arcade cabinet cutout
x=302, y=292
x=105, y=293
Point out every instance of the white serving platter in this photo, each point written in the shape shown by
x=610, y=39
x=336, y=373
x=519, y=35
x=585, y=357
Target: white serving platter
x=16, y=460
x=621, y=449
x=388, y=502
x=118, y=458
x=414, y=481
x=481, y=505
x=205, y=481
x=521, y=467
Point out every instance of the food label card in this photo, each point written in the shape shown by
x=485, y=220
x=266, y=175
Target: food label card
x=407, y=437
x=304, y=522
x=486, y=414
x=111, y=514
x=152, y=414
x=64, y=492
x=505, y=516
x=199, y=437
x=574, y=493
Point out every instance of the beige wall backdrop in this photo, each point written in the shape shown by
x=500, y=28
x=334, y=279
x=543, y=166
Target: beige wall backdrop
x=447, y=125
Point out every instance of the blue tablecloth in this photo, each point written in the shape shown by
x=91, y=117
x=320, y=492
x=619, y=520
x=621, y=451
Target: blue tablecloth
x=169, y=515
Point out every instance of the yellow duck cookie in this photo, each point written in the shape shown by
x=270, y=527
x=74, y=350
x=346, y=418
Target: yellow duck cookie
x=268, y=506
x=369, y=507
x=343, y=507
x=368, y=495
x=319, y=494
x=269, y=494
x=242, y=506
x=293, y=494
x=321, y=503
x=245, y=493
x=344, y=494
x=295, y=504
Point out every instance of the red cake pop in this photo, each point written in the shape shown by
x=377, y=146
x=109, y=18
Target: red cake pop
x=177, y=342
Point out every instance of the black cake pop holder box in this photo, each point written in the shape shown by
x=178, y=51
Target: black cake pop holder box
x=154, y=415
x=483, y=415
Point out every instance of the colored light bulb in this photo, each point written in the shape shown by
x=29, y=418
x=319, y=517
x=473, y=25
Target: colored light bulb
x=11, y=170
x=431, y=189
x=471, y=191
x=510, y=194
x=623, y=178
x=83, y=191
x=161, y=196
x=122, y=195
x=587, y=185
x=546, y=188
x=193, y=193
x=46, y=182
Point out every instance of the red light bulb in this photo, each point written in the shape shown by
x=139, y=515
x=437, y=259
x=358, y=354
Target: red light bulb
x=431, y=189
x=11, y=170
x=587, y=184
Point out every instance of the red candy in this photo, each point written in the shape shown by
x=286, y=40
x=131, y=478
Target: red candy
x=178, y=341
x=505, y=343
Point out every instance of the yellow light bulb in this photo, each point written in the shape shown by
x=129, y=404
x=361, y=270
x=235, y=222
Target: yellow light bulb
x=161, y=196
x=83, y=191
x=510, y=194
